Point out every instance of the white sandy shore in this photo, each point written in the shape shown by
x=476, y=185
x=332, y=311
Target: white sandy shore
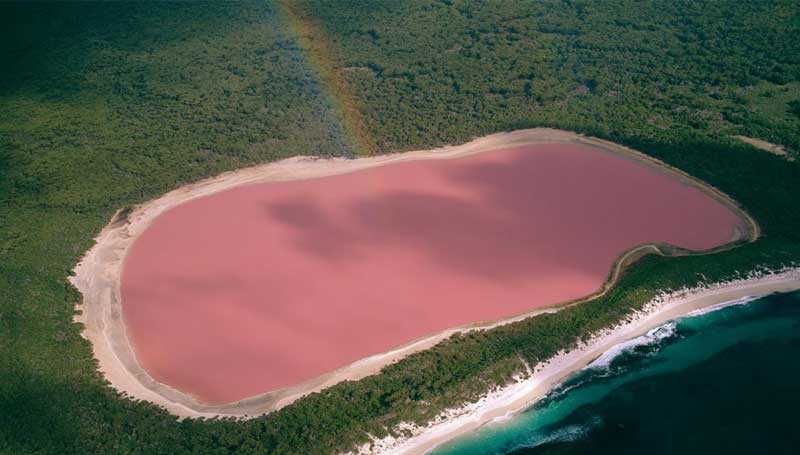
x=502, y=404
x=97, y=276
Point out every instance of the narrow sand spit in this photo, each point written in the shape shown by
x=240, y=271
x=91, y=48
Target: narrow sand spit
x=97, y=276
x=501, y=404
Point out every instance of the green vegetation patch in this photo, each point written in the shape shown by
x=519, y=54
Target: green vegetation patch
x=442, y=71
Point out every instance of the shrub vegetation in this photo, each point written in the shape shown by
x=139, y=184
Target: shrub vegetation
x=106, y=105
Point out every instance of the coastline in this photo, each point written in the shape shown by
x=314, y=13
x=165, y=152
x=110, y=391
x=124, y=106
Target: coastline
x=502, y=404
x=97, y=276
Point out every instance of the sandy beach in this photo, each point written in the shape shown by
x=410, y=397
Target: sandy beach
x=502, y=404
x=97, y=276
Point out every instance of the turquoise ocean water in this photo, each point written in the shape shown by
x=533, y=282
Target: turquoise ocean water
x=726, y=381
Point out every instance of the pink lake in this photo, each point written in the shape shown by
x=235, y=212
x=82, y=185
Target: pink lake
x=265, y=286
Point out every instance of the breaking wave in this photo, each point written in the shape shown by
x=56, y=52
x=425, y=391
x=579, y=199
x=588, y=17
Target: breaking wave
x=719, y=306
x=653, y=337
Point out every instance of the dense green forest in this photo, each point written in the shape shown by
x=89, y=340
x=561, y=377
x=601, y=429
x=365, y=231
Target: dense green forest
x=104, y=105
x=631, y=67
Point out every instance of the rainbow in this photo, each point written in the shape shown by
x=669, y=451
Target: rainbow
x=320, y=56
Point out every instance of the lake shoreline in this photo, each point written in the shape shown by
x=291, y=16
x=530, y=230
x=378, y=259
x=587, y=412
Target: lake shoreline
x=98, y=274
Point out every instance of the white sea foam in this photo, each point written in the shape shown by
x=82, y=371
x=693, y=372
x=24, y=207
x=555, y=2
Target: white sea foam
x=719, y=306
x=654, y=336
x=566, y=434
x=569, y=433
x=562, y=389
x=503, y=418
